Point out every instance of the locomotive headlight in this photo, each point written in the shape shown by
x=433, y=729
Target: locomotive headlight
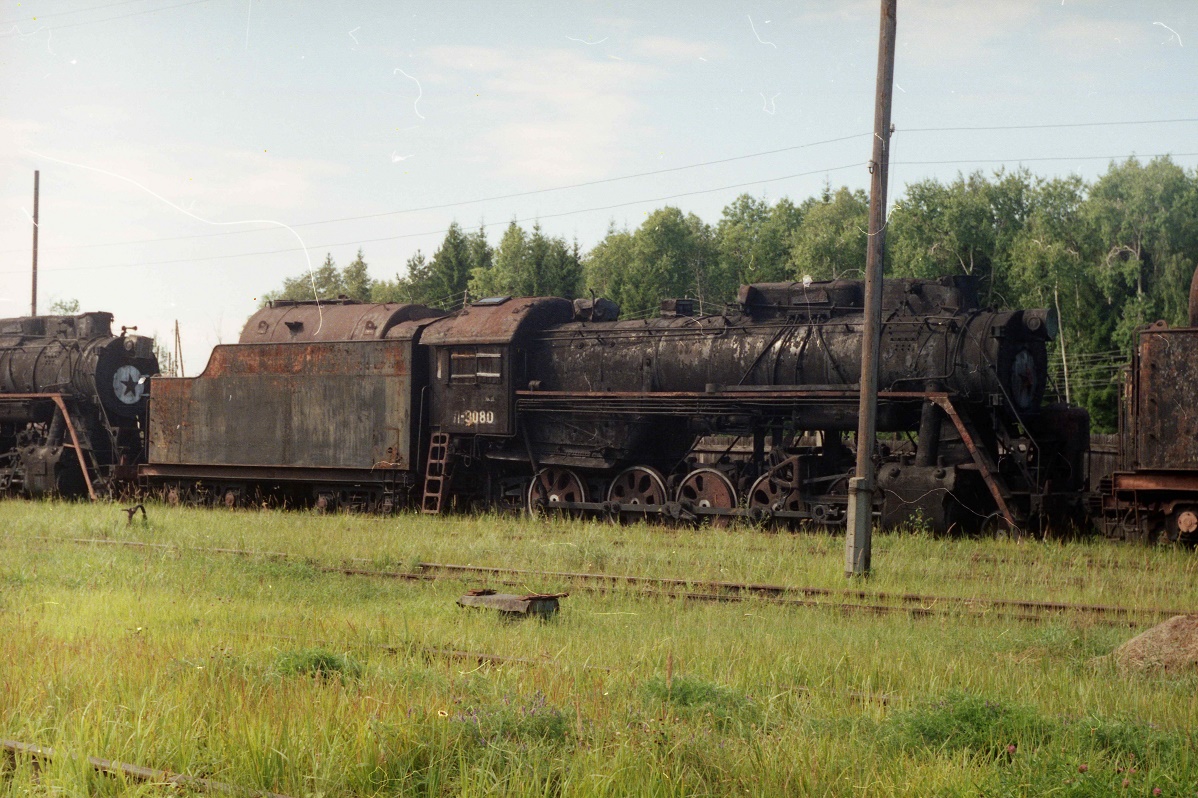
x=1024, y=382
x=128, y=384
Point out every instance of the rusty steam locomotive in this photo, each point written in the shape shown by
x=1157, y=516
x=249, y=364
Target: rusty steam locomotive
x=73, y=402
x=549, y=405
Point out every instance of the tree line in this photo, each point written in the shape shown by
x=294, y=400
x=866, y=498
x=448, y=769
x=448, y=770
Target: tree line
x=1110, y=256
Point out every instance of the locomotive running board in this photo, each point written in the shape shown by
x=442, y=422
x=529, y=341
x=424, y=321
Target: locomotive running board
x=58, y=400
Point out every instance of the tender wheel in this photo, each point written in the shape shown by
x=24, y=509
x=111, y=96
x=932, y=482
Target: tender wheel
x=706, y=487
x=553, y=486
x=638, y=485
x=774, y=496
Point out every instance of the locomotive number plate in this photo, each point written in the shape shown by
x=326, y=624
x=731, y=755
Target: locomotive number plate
x=474, y=418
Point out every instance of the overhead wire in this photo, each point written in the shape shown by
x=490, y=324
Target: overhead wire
x=443, y=230
x=655, y=172
x=479, y=200
x=560, y=214
x=597, y=208
x=109, y=19
x=39, y=17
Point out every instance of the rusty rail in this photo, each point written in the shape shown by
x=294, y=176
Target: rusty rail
x=135, y=772
x=911, y=603
x=781, y=590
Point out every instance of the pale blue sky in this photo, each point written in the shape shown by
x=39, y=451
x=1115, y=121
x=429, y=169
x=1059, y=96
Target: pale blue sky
x=302, y=112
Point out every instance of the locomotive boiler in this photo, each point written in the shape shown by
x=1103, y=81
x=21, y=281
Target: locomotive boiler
x=73, y=401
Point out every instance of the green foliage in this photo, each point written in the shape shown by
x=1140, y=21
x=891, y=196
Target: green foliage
x=324, y=282
x=532, y=720
x=64, y=307
x=524, y=265
x=317, y=662
x=355, y=279
x=696, y=698
x=670, y=255
x=754, y=241
x=831, y=240
x=405, y=288
x=959, y=721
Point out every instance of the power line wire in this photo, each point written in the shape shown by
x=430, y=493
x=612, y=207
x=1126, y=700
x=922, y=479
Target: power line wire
x=601, y=181
x=532, y=192
x=496, y=197
x=1044, y=126
x=359, y=242
x=119, y=16
x=614, y=206
x=1046, y=158
x=38, y=17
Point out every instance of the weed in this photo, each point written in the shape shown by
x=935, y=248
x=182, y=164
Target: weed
x=317, y=662
x=697, y=698
x=532, y=720
x=960, y=721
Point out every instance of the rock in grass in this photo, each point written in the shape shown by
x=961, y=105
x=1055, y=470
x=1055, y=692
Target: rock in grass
x=1171, y=646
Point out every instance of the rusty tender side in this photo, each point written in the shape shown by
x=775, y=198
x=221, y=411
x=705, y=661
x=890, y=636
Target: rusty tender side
x=319, y=404
x=1152, y=494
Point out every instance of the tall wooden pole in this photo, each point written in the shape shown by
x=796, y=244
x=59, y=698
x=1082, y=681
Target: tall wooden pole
x=861, y=486
x=33, y=296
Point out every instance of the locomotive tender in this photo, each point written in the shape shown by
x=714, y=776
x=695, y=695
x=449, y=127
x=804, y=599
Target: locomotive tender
x=544, y=404
x=1152, y=493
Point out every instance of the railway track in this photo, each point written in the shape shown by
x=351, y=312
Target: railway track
x=40, y=753
x=843, y=599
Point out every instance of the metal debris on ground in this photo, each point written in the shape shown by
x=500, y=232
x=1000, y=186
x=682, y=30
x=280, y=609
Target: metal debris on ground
x=543, y=604
x=39, y=753
x=132, y=511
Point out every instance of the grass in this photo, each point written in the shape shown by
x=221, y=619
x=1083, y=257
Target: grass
x=275, y=675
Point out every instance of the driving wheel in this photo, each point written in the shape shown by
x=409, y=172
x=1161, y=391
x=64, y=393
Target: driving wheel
x=638, y=485
x=706, y=487
x=554, y=486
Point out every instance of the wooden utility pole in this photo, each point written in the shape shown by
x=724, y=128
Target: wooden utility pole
x=861, y=486
x=33, y=297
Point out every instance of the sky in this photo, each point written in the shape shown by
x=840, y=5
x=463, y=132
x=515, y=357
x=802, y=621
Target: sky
x=194, y=153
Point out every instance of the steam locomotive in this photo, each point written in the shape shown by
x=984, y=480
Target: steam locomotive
x=548, y=405
x=73, y=401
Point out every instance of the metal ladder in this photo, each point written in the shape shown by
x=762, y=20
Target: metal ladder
x=436, y=473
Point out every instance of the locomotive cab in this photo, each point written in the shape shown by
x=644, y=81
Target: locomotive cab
x=477, y=360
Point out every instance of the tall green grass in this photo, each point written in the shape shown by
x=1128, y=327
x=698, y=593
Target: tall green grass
x=275, y=675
